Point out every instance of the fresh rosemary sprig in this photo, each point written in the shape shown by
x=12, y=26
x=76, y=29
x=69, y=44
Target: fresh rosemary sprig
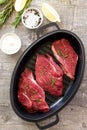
x=62, y=54
x=52, y=81
x=2, y=2
x=18, y=18
x=6, y=12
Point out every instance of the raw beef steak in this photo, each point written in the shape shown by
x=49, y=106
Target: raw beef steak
x=49, y=75
x=66, y=55
x=30, y=94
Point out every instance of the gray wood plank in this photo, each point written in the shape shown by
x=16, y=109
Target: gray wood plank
x=73, y=14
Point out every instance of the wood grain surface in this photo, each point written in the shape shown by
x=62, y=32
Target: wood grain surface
x=73, y=14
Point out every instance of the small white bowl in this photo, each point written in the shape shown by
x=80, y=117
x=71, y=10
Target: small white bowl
x=10, y=43
x=32, y=18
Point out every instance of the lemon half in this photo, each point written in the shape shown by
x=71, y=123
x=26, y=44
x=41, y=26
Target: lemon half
x=50, y=13
x=19, y=5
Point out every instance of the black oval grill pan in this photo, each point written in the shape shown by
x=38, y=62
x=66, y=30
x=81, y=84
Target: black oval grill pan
x=28, y=59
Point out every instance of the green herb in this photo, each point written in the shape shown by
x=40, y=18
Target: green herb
x=52, y=81
x=37, y=100
x=6, y=12
x=2, y=2
x=33, y=91
x=60, y=53
x=18, y=18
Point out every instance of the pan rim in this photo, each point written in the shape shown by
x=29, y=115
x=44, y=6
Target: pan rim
x=63, y=103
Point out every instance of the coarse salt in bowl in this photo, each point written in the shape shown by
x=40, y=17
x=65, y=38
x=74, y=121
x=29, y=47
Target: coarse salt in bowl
x=32, y=18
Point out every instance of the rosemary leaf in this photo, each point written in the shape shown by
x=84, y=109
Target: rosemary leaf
x=52, y=81
x=6, y=12
x=62, y=54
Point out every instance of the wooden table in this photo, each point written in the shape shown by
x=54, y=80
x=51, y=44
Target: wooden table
x=74, y=116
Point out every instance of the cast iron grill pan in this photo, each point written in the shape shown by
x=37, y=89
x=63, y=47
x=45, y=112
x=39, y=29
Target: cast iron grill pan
x=28, y=59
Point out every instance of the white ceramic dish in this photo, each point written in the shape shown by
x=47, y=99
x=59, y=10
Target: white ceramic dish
x=10, y=43
x=32, y=18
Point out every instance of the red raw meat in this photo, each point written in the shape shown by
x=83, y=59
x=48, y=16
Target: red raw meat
x=49, y=75
x=66, y=55
x=24, y=99
x=30, y=94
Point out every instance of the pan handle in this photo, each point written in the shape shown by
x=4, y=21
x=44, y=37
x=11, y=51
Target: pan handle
x=42, y=28
x=48, y=125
